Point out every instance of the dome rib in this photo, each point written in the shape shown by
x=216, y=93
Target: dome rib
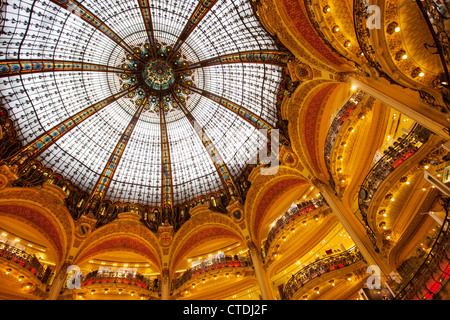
x=76, y=8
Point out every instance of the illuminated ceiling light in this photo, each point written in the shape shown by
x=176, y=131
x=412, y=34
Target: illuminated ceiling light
x=8, y=271
x=397, y=29
x=416, y=72
x=20, y=278
x=335, y=29
x=347, y=43
x=326, y=9
x=392, y=27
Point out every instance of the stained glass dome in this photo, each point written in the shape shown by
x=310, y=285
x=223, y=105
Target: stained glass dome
x=154, y=102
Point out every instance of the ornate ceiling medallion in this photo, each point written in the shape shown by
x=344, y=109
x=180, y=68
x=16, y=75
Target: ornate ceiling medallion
x=157, y=77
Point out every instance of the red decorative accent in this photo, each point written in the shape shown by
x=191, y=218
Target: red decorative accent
x=275, y=191
x=297, y=13
x=38, y=219
x=310, y=121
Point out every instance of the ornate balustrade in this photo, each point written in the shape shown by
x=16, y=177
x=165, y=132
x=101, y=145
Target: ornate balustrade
x=136, y=279
x=290, y=215
x=393, y=157
x=211, y=265
x=335, y=128
x=436, y=12
x=27, y=261
x=434, y=271
x=317, y=268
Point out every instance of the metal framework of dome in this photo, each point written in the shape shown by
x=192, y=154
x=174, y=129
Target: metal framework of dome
x=142, y=102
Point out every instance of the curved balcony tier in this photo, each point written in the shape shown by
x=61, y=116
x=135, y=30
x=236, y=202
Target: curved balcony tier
x=222, y=264
x=318, y=268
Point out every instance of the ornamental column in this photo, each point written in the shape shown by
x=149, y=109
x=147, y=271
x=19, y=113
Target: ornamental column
x=58, y=282
x=352, y=225
x=261, y=277
x=165, y=284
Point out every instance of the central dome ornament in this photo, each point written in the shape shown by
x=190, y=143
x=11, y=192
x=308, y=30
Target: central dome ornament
x=156, y=77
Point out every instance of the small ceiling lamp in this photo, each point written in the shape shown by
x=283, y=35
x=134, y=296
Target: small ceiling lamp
x=392, y=27
x=417, y=72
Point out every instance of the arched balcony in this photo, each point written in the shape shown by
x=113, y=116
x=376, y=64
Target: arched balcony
x=402, y=150
x=132, y=279
x=434, y=272
x=222, y=263
x=335, y=128
x=318, y=268
x=26, y=261
x=291, y=214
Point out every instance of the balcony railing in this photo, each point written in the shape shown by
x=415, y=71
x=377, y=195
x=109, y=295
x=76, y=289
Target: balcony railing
x=434, y=271
x=436, y=12
x=136, y=279
x=380, y=171
x=319, y=267
x=336, y=126
x=211, y=265
x=290, y=215
x=26, y=260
